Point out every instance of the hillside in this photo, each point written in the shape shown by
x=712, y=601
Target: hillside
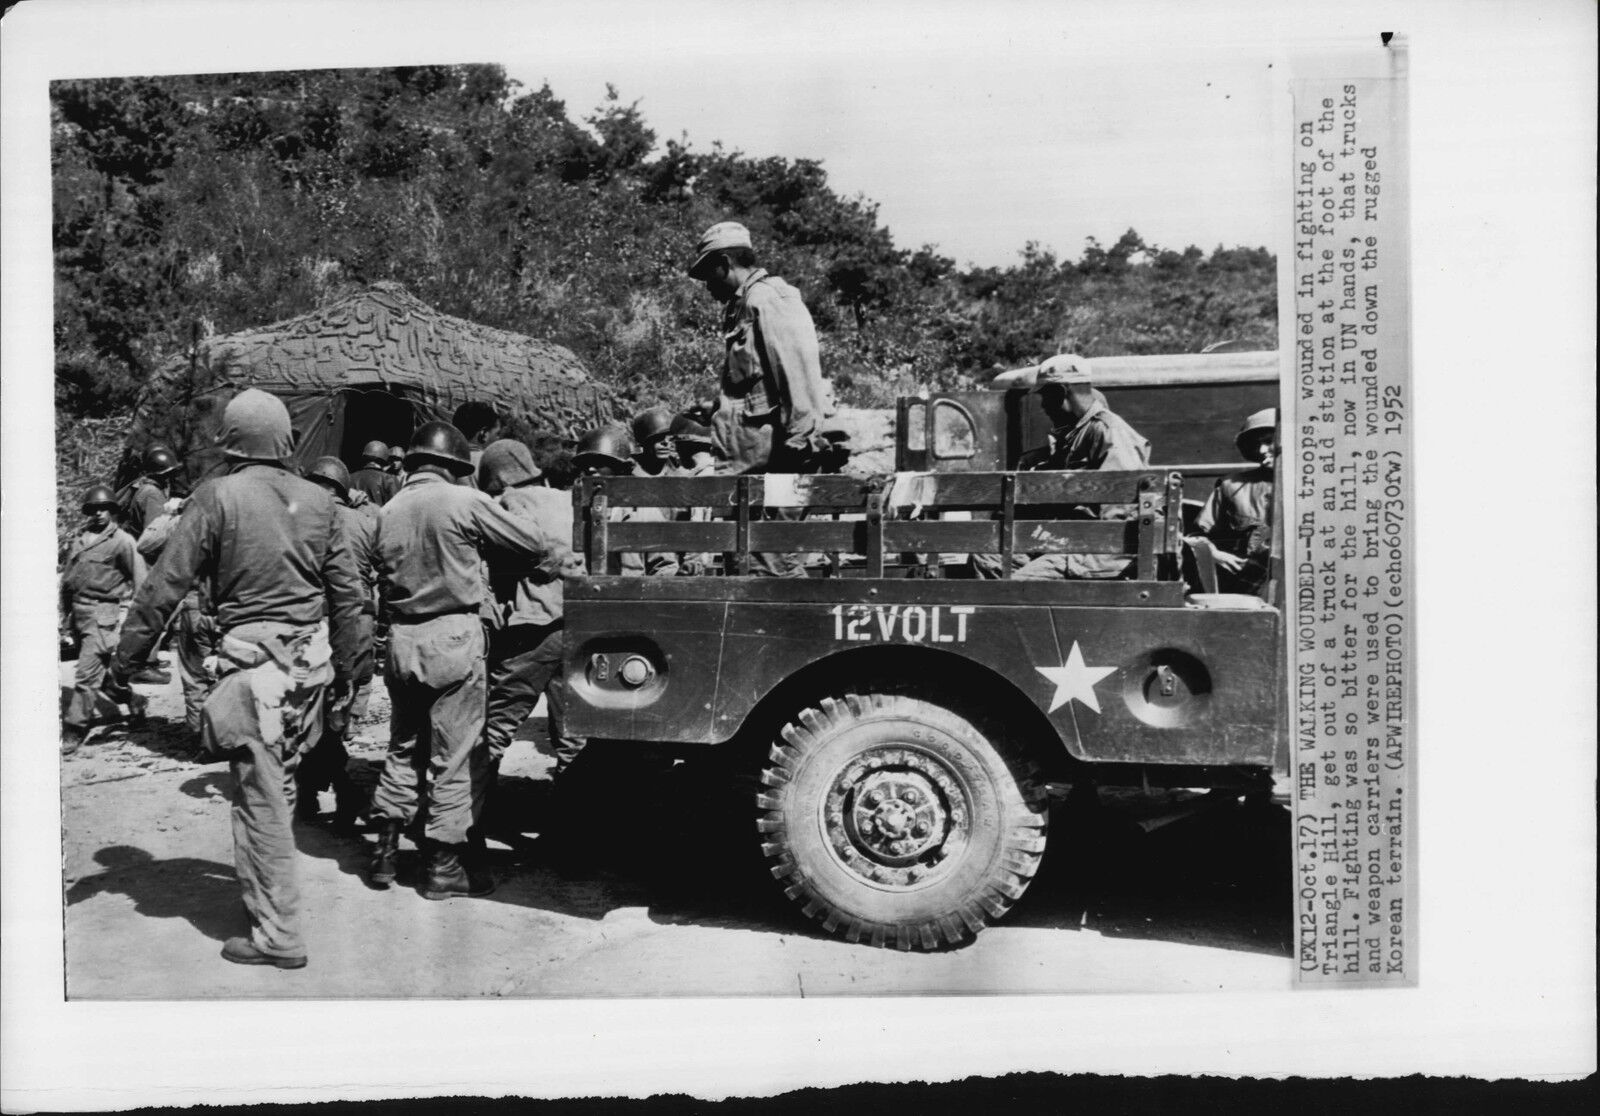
x=220, y=202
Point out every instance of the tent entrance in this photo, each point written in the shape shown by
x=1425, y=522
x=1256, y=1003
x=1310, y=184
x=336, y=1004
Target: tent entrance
x=375, y=413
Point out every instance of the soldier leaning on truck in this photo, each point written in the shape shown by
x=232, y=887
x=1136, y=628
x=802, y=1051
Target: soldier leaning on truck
x=1087, y=435
x=430, y=542
x=772, y=395
x=1236, y=522
x=102, y=569
x=525, y=650
x=287, y=597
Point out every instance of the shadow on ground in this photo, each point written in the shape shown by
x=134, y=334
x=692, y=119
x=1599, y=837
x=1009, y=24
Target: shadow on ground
x=202, y=892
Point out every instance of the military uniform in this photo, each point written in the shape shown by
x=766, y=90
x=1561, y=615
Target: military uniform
x=102, y=570
x=1237, y=518
x=284, y=585
x=428, y=549
x=377, y=484
x=772, y=395
x=147, y=501
x=525, y=650
x=1100, y=439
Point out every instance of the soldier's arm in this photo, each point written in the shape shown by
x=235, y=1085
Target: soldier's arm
x=187, y=552
x=788, y=343
x=343, y=587
x=529, y=537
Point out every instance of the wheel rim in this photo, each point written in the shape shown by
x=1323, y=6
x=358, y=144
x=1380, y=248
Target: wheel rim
x=897, y=817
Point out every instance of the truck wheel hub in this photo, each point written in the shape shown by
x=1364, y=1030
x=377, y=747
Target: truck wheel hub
x=894, y=814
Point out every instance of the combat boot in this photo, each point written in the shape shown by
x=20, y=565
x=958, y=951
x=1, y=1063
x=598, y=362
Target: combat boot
x=386, y=857
x=453, y=870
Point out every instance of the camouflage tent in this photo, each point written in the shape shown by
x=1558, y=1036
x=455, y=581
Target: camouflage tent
x=376, y=364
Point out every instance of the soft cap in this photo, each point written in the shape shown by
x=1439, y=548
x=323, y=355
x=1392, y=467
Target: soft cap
x=719, y=237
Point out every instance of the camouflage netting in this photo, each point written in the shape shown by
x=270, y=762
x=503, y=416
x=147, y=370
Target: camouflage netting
x=374, y=365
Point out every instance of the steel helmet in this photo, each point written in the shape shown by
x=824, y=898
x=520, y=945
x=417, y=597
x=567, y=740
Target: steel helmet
x=159, y=461
x=255, y=427
x=439, y=443
x=651, y=424
x=606, y=442
x=99, y=496
x=1261, y=422
x=332, y=473
x=375, y=451
x=505, y=464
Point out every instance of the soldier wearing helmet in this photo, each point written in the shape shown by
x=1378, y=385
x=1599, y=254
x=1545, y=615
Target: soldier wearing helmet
x=652, y=432
x=431, y=539
x=607, y=452
x=150, y=492
x=287, y=598
x=525, y=646
x=1087, y=435
x=374, y=478
x=1234, y=528
x=325, y=765
x=100, y=571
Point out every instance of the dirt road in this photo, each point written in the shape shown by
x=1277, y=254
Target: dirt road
x=670, y=904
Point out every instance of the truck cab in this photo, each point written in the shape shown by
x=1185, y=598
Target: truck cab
x=911, y=721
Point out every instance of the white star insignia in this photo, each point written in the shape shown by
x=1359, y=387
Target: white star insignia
x=1075, y=680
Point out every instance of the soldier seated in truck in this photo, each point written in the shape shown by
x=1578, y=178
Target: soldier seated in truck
x=607, y=452
x=1231, y=550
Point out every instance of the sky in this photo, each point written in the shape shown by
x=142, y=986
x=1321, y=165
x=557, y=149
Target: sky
x=975, y=129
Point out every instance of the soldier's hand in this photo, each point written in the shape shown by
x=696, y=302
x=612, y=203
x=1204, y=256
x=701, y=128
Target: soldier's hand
x=1225, y=561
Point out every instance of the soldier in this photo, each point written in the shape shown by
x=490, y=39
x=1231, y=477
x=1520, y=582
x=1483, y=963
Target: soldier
x=326, y=764
x=148, y=495
x=430, y=539
x=606, y=452
x=101, y=570
x=1087, y=435
x=652, y=430
x=772, y=395
x=525, y=649
x=696, y=448
x=195, y=640
x=374, y=477
x=1235, y=525
x=480, y=424
x=271, y=546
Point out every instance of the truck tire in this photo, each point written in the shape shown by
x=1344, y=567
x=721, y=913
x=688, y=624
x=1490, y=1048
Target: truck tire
x=896, y=821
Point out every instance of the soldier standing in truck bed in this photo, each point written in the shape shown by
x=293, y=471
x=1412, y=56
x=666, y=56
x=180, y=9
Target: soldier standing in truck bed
x=430, y=542
x=279, y=566
x=1087, y=435
x=772, y=395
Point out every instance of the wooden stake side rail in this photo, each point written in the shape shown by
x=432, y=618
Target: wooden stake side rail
x=880, y=527
x=947, y=491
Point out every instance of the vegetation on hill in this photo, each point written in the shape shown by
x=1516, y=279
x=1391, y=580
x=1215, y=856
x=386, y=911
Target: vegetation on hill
x=227, y=201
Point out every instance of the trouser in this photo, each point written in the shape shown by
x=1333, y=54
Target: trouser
x=324, y=765
x=196, y=642
x=437, y=696
x=265, y=707
x=1054, y=567
x=96, y=624
x=525, y=661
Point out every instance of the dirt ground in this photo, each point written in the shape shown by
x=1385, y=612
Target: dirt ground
x=670, y=901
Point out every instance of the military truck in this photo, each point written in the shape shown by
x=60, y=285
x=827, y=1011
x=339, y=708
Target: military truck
x=912, y=723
